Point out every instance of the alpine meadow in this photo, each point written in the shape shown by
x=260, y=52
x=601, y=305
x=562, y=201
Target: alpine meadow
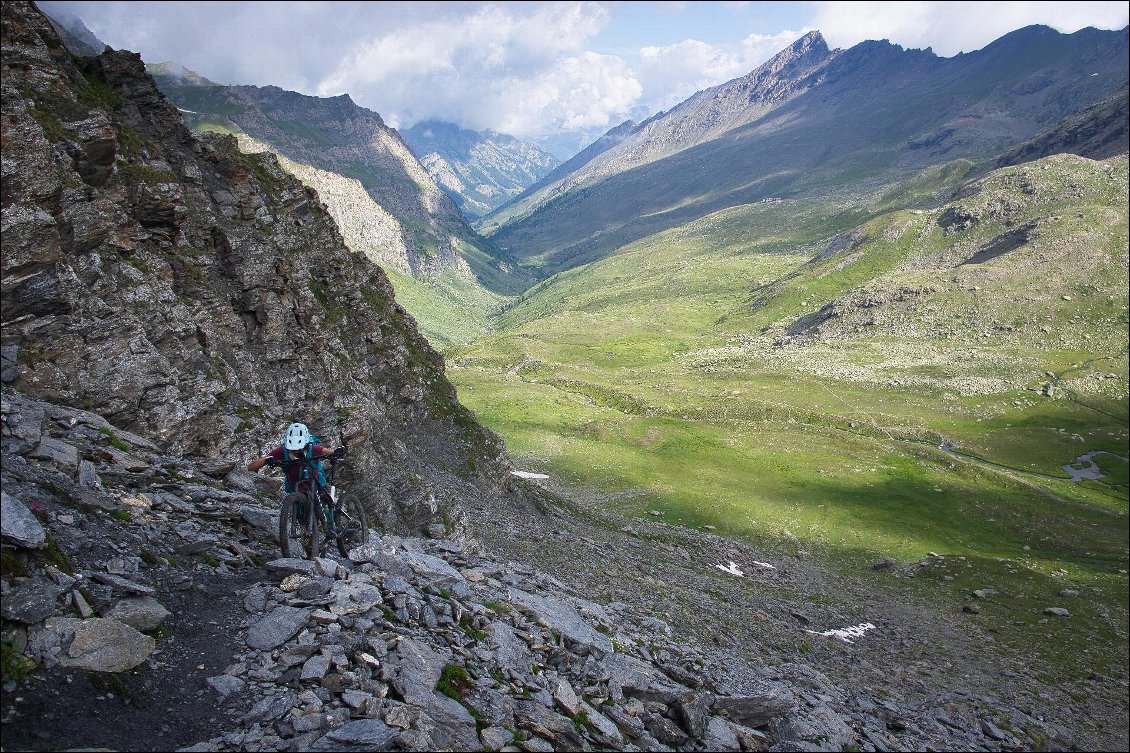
x=793, y=417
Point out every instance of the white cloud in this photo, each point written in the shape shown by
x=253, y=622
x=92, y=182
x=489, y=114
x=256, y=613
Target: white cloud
x=529, y=68
x=674, y=72
x=514, y=68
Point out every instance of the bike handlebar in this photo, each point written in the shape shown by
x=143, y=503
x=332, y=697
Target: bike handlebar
x=338, y=454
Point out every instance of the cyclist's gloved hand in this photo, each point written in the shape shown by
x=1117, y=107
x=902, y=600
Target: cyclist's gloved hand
x=340, y=452
x=273, y=462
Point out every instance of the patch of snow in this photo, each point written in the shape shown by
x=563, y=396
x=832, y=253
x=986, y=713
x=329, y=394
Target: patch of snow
x=764, y=564
x=845, y=634
x=527, y=474
x=189, y=111
x=732, y=569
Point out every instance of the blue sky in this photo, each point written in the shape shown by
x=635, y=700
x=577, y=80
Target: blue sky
x=534, y=68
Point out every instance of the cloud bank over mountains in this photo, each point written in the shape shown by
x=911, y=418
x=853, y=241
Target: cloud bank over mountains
x=531, y=68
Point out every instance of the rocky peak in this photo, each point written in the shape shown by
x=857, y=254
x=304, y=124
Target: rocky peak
x=177, y=74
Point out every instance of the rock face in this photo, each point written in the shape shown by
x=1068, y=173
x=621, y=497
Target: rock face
x=201, y=297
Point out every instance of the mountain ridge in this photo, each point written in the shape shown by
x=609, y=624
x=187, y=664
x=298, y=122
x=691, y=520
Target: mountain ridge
x=827, y=132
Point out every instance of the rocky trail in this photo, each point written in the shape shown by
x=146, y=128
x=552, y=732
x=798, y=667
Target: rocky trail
x=144, y=602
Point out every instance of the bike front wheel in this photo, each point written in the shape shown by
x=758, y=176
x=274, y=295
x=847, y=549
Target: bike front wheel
x=298, y=526
x=352, y=523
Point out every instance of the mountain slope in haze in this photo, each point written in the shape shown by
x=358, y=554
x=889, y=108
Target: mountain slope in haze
x=78, y=39
x=202, y=298
x=377, y=190
x=813, y=122
x=480, y=171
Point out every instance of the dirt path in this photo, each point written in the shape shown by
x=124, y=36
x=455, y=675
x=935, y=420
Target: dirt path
x=164, y=704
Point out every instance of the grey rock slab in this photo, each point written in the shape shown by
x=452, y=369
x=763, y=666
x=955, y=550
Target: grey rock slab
x=454, y=725
x=18, y=525
x=87, y=476
x=492, y=706
x=269, y=709
x=818, y=725
x=691, y=712
x=609, y=733
x=549, y=725
x=494, y=738
x=261, y=519
x=665, y=730
x=754, y=710
x=139, y=612
x=315, y=667
x=289, y=565
x=564, y=619
x=119, y=583
x=633, y=678
x=32, y=602
x=1057, y=612
x=417, y=670
x=226, y=685
x=358, y=735
x=720, y=735
x=429, y=568
x=351, y=597
x=510, y=651
x=282, y=624
x=106, y=645
x=62, y=454
x=566, y=698
x=256, y=599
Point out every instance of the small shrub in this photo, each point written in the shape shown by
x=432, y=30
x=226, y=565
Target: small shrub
x=150, y=558
x=209, y=560
x=497, y=606
x=158, y=633
x=10, y=563
x=122, y=515
x=58, y=557
x=454, y=682
x=469, y=628
x=14, y=666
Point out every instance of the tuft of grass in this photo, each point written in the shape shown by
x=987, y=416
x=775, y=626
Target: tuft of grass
x=454, y=682
x=209, y=560
x=121, y=515
x=14, y=665
x=150, y=558
x=500, y=607
x=468, y=627
x=115, y=441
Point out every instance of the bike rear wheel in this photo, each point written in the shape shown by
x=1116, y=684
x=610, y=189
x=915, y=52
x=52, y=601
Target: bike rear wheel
x=352, y=523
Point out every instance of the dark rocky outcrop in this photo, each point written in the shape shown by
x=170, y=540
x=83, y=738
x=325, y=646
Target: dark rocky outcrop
x=202, y=298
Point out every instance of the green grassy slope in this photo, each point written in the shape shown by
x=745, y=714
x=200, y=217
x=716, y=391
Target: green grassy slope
x=916, y=390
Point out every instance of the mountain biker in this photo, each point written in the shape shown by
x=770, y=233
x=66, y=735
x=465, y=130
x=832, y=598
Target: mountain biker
x=295, y=445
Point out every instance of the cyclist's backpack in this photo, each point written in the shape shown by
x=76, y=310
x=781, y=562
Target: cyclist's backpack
x=317, y=465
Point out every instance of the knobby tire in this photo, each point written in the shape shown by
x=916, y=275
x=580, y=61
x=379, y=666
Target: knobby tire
x=353, y=524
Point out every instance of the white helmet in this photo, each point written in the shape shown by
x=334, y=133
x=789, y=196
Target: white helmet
x=297, y=437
